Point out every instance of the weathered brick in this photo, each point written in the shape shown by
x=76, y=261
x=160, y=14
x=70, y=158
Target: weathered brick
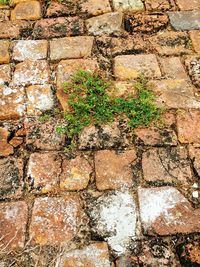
x=5, y=148
x=31, y=72
x=11, y=172
x=71, y=47
x=58, y=27
x=185, y=20
x=43, y=172
x=108, y=23
x=13, y=29
x=75, y=173
x=129, y=67
x=40, y=99
x=30, y=10
x=126, y=5
x=4, y=52
x=174, y=94
x=157, y=5
x=5, y=74
x=95, y=7
x=113, y=171
x=191, y=5
x=165, y=211
x=169, y=165
x=188, y=126
x=30, y=49
x=93, y=255
x=13, y=218
x=195, y=37
x=56, y=9
x=55, y=221
x=11, y=102
x=42, y=134
x=65, y=69
x=172, y=68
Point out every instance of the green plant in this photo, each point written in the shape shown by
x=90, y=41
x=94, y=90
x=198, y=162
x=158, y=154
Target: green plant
x=4, y=2
x=44, y=117
x=90, y=104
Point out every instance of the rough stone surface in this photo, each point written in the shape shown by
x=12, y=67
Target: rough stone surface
x=195, y=37
x=109, y=23
x=71, y=47
x=114, y=219
x=4, y=52
x=4, y=15
x=167, y=165
x=185, y=5
x=172, y=68
x=95, y=7
x=5, y=148
x=30, y=49
x=55, y=221
x=30, y=10
x=165, y=211
x=11, y=102
x=113, y=171
x=31, y=72
x=43, y=172
x=195, y=157
x=185, y=20
x=11, y=172
x=157, y=5
x=5, y=74
x=190, y=253
x=13, y=218
x=40, y=99
x=13, y=29
x=75, y=174
x=193, y=66
x=188, y=126
x=56, y=9
x=94, y=255
x=58, y=27
x=128, y=5
x=129, y=67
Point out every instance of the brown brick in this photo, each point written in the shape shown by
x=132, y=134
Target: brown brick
x=95, y=7
x=129, y=67
x=71, y=47
x=13, y=29
x=185, y=5
x=4, y=52
x=55, y=221
x=172, y=68
x=195, y=37
x=75, y=174
x=13, y=218
x=5, y=74
x=57, y=9
x=30, y=10
x=43, y=172
x=113, y=171
x=30, y=49
x=188, y=126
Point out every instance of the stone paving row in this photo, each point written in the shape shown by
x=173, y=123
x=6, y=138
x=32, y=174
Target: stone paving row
x=124, y=198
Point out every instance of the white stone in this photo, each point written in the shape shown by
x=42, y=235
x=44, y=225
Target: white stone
x=128, y=5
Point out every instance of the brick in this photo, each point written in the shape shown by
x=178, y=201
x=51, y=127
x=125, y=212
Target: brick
x=40, y=99
x=169, y=165
x=5, y=148
x=13, y=217
x=172, y=68
x=11, y=102
x=185, y=5
x=95, y=7
x=195, y=37
x=75, y=174
x=165, y=211
x=43, y=135
x=13, y=29
x=58, y=27
x=126, y=5
x=129, y=67
x=31, y=72
x=113, y=171
x=30, y=10
x=113, y=218
x=56, y=9
x=4, y=52
x=188, y=126
x=5, y=74
x=93, y=255
x=193, y=65
x=108, y=23
x=11, y=172
x=71, y=47
x=65, y=69
x=55, y=221
x=185, y=20
x=156, y=5
x=43, y=172
x=30, y=49
x=174, y=94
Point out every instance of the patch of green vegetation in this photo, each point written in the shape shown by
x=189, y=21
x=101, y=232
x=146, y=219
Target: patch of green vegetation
x=4, y=2
x=44, y=117
x=90, y=104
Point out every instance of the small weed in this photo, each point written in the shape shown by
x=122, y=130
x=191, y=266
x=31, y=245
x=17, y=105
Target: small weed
x=4, y=2
x=44, y=117
x=90, y=104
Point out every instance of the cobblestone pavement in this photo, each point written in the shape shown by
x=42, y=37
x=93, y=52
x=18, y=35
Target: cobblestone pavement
x=124, y=198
